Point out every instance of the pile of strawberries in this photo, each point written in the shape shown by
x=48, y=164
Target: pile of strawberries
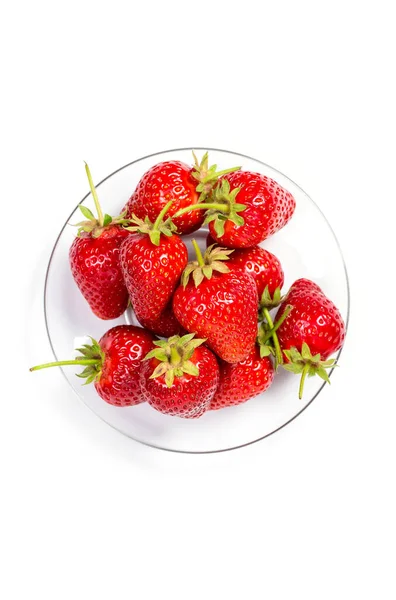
x=207, y=339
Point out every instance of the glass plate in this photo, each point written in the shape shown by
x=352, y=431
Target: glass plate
x=306, y=247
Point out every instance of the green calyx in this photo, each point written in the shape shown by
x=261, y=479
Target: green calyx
x=203, y=267
x=92, y=358
x=267, y=338
x=154, y=230
x=92, y=225
x=174, y=355
x=207, y=176
x=303, y=362
x=268, y=301
x=225, y=207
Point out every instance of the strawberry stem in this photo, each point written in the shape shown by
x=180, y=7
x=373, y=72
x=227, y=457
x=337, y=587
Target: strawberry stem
x=163, y=212
x=278, y=351
x=271, y=332
x=95, y=196
x=198, y=252
x=224, y=208
x=302, y=380
x=61, y=363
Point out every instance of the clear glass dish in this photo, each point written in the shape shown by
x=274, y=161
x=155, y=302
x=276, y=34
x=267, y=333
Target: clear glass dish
x=69, y=319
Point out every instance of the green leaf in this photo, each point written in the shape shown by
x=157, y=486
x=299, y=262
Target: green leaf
x=159, y=370
x=322, y=373
x=239, y=221
x=166, y=231
x=239, y=207
x=191, y=346
x=293, y=354
x=292, y=367
x=265, y=297
x=185, y=338
x=207, y=271
x=190, y=368
x=158, y=353
x=277, y=295
x=88, y=214
x=210, y=217
x=265, y=351
x=85, y=352
x=169, y=378
x=107, y=219
x=198, y=277
x=187, y=272
x=306, y=352
x=155, y=237
x=219, y=227
x=329, y=363
x=97, y=232
x=90, y=379
x=216, y=252
x=220, y=267
x=161, y=343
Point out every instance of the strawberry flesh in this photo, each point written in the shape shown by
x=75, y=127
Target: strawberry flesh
x=314, y=320
x=241, y=381
x=152, y=273
x=223, y=310
x=190, y=395
x=268, y=208
x=124, y=348
x=171, y=180
x=96, y=269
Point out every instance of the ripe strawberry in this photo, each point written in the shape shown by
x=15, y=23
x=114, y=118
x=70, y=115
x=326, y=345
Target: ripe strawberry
x=244, y=380
x=218, y=304
x=180, y=377
x=152, y=265
x=312, y=332
x=113, y=364
x=266, y=207
x=94, y=260
x=263, y=266
x=166, y=325
x=174, y=180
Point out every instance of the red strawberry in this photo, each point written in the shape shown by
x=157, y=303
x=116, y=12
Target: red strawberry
x=94, y=261
x=174, y=180
x=114, y=364
x=152, y=265
x=265, y=205
x=241, y=381
x=180, y=377
x=263, y=266
x=166, y=325
x=218, y=304
x=312, y=331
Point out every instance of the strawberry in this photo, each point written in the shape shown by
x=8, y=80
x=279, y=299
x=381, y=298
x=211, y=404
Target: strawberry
x=152, y=264
x=113, y=364
x=266, y=208
x=166, y=325
x=218, y=304
x=312, y=331
x=180, y=377
x=174, y=180
x=244, y=380
x=94, y=260
x=263, y=266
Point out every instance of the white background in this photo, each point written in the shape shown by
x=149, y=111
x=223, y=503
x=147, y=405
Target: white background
x=306, y=87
